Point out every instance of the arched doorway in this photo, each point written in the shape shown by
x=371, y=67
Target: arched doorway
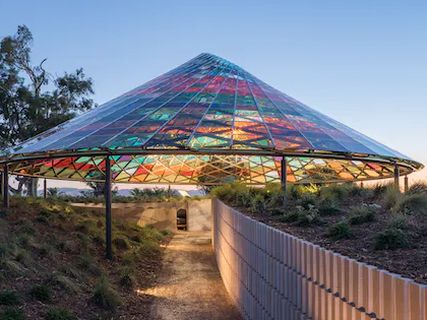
x=181, y=219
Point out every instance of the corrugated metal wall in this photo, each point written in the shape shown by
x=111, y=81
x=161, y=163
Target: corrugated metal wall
x=273, y=275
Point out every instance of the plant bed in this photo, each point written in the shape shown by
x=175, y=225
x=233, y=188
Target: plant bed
x=53, y=266
x=376, y=225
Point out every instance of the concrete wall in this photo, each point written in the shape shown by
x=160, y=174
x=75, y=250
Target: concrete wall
x=162, y=215
x=273, y=275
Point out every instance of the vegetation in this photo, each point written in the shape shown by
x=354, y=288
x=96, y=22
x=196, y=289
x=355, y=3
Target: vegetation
x=136, y=195
x=49, y=268
x=379, y=222
x=32, y=100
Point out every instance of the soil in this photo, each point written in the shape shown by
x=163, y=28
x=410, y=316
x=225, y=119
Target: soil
x=189, y=286
x=410, y=262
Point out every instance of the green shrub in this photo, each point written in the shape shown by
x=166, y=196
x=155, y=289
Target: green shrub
x=391, y=196
x=418, y=187
x=104, y=296
x=391, y=239
x=308, y=217
x=339, y=230
x=415, y=203
x=12, y=314
x=127, y=278
x=62, y=282
x=307, y=200
x=121, y=243
x=41, y=293
x=328, y=207
x=290, y=217
x=258, y=203
x=334, y=192
x=9, y=298
x=361, y=214
x=59, y=314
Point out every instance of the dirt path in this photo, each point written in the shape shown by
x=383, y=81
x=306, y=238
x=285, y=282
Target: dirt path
x=189, y=285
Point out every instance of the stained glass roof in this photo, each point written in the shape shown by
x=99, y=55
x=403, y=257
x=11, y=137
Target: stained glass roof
x=205, y=122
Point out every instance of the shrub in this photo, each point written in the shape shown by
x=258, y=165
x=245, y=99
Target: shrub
x=12, y=314
x=415, y=203
x=361, y=214
x=9, y=298
x=418, y=187
x=121, y=243
x=127, y=278
x=308, y=217
x=41, y=293
x=334, y=192
x=391, y=239
x=63, y=282
x=59, y=314
x=258, y=203
x=328, y=207
x=339, y=230
x=104, y=296
x=391, y=196
x=307, y=200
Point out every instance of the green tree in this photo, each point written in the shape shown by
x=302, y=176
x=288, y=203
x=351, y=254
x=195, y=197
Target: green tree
x=33, y=100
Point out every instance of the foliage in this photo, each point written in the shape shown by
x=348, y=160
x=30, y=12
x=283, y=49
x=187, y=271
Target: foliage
x=59, y=314
x=418, y=187
x=41, y=292
x=12, y=314
x=339, y=230
x=412, y=203
x=32, y=100
x=361, y=214
x=127, y=278
x=105, y=296
x=9, y=298
x=390, y=196
x=391, y=239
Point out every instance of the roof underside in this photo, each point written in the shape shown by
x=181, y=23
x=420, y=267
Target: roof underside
x=207, y=118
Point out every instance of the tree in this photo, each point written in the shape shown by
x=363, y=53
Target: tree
x=33, y=100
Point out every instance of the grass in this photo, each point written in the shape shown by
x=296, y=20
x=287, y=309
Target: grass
x=412, y=203
x=361, y=215
x=339, y=230
x=105, y=296
x=52, y=255
x=9, y=298
x=59, y=314
x=391, y=239
x=41, y=292
x=12, y=313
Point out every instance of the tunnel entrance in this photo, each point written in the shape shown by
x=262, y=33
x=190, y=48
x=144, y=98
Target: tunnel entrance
x=181, y=219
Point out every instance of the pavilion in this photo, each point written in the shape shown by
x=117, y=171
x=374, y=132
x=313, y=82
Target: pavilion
x=206, y=122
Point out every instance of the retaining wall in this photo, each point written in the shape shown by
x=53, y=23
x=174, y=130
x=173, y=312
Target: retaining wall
x=162, y=215
x=273, y=275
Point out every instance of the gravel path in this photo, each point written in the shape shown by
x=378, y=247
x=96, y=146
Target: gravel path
x=189, y=286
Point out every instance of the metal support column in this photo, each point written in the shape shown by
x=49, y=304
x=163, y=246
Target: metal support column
x=45, y=188
x=406, y=183
x=396, y=176
x=107, y=191
x=5, y=186
x=283, y=176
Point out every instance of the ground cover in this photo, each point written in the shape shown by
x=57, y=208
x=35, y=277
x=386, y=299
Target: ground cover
x=52, y=264
x=376, y=225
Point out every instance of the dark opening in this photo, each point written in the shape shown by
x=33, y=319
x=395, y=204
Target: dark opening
x=181, y=219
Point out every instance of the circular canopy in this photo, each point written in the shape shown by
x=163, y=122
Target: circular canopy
x=207, y=121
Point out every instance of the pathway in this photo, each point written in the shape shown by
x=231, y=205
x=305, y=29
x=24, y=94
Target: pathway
x=189, y=286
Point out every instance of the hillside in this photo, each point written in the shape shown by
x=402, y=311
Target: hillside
x=52, y=264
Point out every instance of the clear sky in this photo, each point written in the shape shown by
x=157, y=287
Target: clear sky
x=362, y=62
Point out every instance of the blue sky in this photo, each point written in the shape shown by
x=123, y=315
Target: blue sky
x=362, y=62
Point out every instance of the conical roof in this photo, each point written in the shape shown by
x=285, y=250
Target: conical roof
x=206, y=121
